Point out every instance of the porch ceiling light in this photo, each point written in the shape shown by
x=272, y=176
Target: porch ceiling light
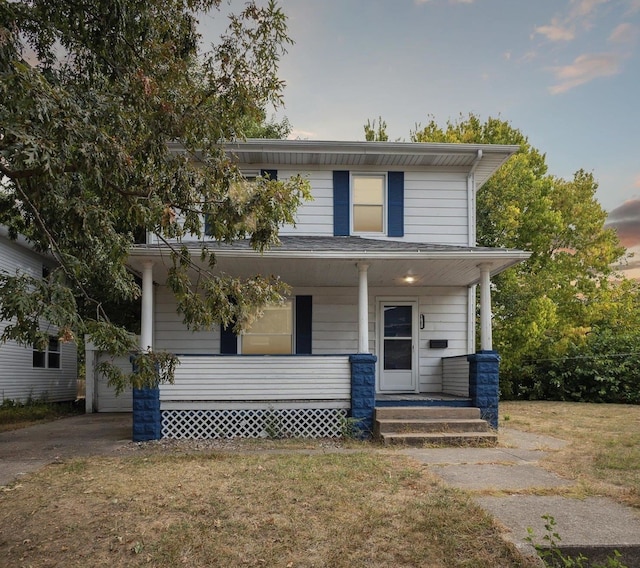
x=409, y=279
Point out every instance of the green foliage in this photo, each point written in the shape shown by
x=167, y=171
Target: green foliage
x=111, y=124
x=351, y=428
x=545, y=307
x=550, y=552
x=604, y=367
x=34, y=410
x=376, y=134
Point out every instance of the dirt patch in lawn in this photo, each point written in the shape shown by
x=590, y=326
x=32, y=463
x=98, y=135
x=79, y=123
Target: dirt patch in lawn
x=227, y=509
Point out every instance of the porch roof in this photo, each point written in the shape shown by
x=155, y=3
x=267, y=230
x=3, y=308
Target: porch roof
x=330, y=261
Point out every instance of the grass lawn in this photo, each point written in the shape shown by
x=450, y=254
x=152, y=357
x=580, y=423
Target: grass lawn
x=603, y=454
x=295, y=504
x=347, y=509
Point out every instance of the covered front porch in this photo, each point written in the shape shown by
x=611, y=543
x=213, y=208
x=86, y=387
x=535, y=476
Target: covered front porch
x=354, y=352
x=313, y=396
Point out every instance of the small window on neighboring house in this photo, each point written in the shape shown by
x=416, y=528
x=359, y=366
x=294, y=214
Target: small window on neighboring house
x=272, y=334
x=45, y=271
x=50, y=358
x=368, y=198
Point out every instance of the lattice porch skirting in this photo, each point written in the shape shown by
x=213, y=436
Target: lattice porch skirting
x=254, y=423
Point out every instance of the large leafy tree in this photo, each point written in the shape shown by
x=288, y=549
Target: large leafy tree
x=95, y=97
x=550, y=304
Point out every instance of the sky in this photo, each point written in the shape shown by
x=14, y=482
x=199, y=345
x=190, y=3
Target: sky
x=564, y=72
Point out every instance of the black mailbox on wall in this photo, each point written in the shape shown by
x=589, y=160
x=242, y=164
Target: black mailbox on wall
x=438, y=343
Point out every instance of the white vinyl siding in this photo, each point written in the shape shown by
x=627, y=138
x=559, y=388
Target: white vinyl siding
x=170, y=333
x=106, y=399
x=455, y=375
x=19, y=380
x=255, y=378
x=313, y=218
x=335, y=325
x=435, y=206
x=445, y=311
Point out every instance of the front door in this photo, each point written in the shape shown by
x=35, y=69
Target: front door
x=397, y=359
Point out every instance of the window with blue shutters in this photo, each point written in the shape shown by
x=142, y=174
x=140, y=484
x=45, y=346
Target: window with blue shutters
x=282, y=330
x=368, y=203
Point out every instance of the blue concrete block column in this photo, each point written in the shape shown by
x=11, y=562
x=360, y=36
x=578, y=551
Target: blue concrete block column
x=484, y=384
x=363, y=391
x=147, y=421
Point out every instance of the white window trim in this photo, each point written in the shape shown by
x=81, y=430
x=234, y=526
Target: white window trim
x=385, y=199
x=293, y=334
x=46, y=353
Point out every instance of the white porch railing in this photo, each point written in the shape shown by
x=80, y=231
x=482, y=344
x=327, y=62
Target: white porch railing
x=455, y=375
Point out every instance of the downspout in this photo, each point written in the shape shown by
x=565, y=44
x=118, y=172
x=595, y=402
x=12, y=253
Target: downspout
x=471, y=298
x=471, y=198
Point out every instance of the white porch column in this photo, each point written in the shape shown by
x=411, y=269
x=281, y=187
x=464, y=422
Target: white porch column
x=146, y=325
x=486, y=338
x=363, y=309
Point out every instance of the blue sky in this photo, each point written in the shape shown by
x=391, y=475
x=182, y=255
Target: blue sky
x=565, y=72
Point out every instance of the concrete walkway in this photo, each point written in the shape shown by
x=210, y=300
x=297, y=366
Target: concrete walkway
x=593, y=526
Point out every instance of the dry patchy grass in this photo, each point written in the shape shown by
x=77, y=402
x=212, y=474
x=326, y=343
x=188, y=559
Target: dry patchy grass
x=14, y=416
x=603, y=454
x=229, y=509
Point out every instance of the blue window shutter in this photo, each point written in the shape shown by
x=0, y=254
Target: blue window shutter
x=271, y=174
x=341, y=222
x=395, y=205
x=228, y=341
x=304, y=311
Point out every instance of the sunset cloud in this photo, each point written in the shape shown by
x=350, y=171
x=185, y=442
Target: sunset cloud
x=585, y=8
x=625, y=219
x=555, y=31
x=624, y=34
x=584, y=69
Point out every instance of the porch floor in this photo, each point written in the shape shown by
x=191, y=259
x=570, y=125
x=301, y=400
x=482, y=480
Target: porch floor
x=422, y=399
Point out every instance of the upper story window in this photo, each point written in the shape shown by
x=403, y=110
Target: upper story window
x=368, y=204
x=368, y=198
x=50, y=358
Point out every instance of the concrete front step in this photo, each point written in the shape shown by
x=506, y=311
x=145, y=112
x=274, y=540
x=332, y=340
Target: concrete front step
x=427, y=413
x=431, y=425
x=441, y=439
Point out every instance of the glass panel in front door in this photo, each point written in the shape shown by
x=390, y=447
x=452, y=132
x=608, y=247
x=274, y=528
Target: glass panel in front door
x=397, y=338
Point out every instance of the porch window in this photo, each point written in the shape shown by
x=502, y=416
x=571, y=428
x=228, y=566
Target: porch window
x=50, y=357
x=272, y=334
x=368, y=198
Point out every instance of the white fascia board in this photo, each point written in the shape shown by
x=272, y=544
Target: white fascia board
x=498, y=254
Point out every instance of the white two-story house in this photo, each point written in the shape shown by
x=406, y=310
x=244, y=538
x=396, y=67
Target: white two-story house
x=383, y=266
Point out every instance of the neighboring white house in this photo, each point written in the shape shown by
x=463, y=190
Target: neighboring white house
x=383, y=261
x=26, y=373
